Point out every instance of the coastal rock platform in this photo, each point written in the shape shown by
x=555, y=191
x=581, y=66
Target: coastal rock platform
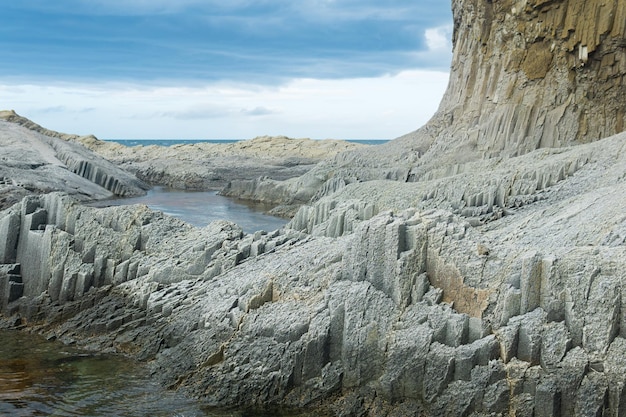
x=379, y=298
x=204, y=165
x=474, y=267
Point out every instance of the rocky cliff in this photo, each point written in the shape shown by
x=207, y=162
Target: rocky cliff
x=474, y=267
x=531, y=74
x=525, y=75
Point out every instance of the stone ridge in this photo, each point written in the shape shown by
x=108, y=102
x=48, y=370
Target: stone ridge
x=262, y=147
x=13, y=117
x=214, y=165
x=266, y=147
x=34, y=163
x=203, y=166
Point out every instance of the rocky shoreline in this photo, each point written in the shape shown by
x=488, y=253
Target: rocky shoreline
x=203, y=166
x=474, y=267
x=353, y=307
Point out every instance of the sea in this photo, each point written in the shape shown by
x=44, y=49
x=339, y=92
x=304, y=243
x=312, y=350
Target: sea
x=171, y=142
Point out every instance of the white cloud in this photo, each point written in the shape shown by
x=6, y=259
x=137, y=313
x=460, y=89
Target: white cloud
x=382, y=107
x=439, y=38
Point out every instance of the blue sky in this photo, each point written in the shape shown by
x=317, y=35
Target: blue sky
x=225, y=69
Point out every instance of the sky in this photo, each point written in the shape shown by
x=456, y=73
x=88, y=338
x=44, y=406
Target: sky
x=235, y=69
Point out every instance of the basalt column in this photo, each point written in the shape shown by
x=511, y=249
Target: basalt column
x=528, y=74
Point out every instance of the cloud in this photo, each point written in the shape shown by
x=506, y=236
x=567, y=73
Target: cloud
x=200, y=111
x=259, y=111
x=197, y=112
x=63, y=110
x=225, y=69
x=318, y=10
x=268, y=41
x=439, y=38
x=368, y=107
x=53, y=109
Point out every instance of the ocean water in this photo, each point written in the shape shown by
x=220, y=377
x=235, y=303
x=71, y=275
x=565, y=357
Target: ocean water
x=199, y=208
x=171, y=142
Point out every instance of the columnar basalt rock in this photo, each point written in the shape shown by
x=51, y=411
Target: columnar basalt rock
x=457, y=271
x=530, y=74
x=34, y=163
x=525, y=75
x=303, y=319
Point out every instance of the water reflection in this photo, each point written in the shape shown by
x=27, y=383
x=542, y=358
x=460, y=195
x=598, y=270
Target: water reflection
x=42, y=378
x=202, y=207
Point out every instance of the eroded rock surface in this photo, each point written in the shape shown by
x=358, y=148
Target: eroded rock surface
x=33, y=163
x=473, y=268
x=204, y=166
x=405, y=303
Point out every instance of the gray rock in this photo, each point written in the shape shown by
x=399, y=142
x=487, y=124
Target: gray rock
x=602, y=314
x=496, y=398
x=593, y=396
x=547, y=399
x=504, y=212
x=439, y=371
x=405, y=370
x=555, y=342
x=508, y=337
x=530, y=336
x=36, y=163
x=573, y=369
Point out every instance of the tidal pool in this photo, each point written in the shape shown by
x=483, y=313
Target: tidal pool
x=202, y=207
x=43, y=378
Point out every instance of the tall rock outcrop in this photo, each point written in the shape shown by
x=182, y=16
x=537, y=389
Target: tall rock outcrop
x=534, y=73
x=36, y=160
x=525, y=75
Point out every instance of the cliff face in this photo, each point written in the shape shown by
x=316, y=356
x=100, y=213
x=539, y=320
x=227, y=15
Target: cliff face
x=528, y=74
x=525, y=75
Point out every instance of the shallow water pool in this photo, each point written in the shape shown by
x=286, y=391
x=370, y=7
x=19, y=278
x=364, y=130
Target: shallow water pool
x=47, y=378
x=43, y=378
x=202, y=207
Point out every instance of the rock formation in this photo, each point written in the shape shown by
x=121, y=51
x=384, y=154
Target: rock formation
x=205, y=166
x=535, y=74
x=473, y=267
x=35, y=163
x=525, y=75
x=354, y=307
